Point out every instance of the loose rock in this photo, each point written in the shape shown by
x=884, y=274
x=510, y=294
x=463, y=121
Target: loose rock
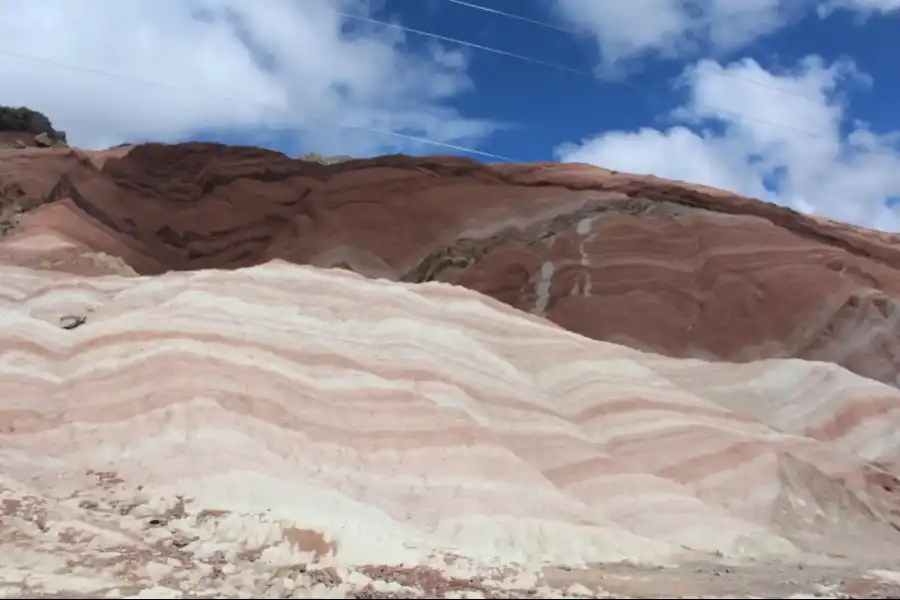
x=71, y=321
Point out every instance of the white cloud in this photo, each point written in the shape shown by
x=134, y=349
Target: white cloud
x=795, y=146
x=625, y=29
x=865, y=7
x=628, y=30
x=293, y=64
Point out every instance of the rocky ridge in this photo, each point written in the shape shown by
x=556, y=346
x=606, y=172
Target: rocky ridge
x=649, y=388
x=658, y=265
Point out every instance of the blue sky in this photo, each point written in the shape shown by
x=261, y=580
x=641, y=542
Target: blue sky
x=792, y=101
x=553, y=107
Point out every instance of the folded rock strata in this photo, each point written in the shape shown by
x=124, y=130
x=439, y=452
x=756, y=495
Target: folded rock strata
x=653, y=264
x=283, y=415
x=518, y=376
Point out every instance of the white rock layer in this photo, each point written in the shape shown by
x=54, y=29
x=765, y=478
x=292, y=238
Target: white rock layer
x=298, y=413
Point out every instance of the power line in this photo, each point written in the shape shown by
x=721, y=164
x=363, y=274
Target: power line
x=514, y=16
x=559, y=29
x=460, y=42
x=645, y=90
x=178, y=88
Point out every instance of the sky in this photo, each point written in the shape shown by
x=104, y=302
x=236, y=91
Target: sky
x=790, y=101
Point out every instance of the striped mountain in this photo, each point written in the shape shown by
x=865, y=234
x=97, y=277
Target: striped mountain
x=524, y=380
x=657, y=265
x=289, y=413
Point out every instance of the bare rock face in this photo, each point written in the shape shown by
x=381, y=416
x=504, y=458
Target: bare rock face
x=286, y=431
x=195, y=403
x=654, y=264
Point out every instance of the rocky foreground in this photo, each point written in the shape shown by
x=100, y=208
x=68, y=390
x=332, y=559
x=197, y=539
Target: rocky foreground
x=696, y=398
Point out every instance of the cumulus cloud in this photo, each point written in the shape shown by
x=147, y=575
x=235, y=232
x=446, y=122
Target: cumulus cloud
x=787, y=140
x=624, y=31
x=275, y=65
